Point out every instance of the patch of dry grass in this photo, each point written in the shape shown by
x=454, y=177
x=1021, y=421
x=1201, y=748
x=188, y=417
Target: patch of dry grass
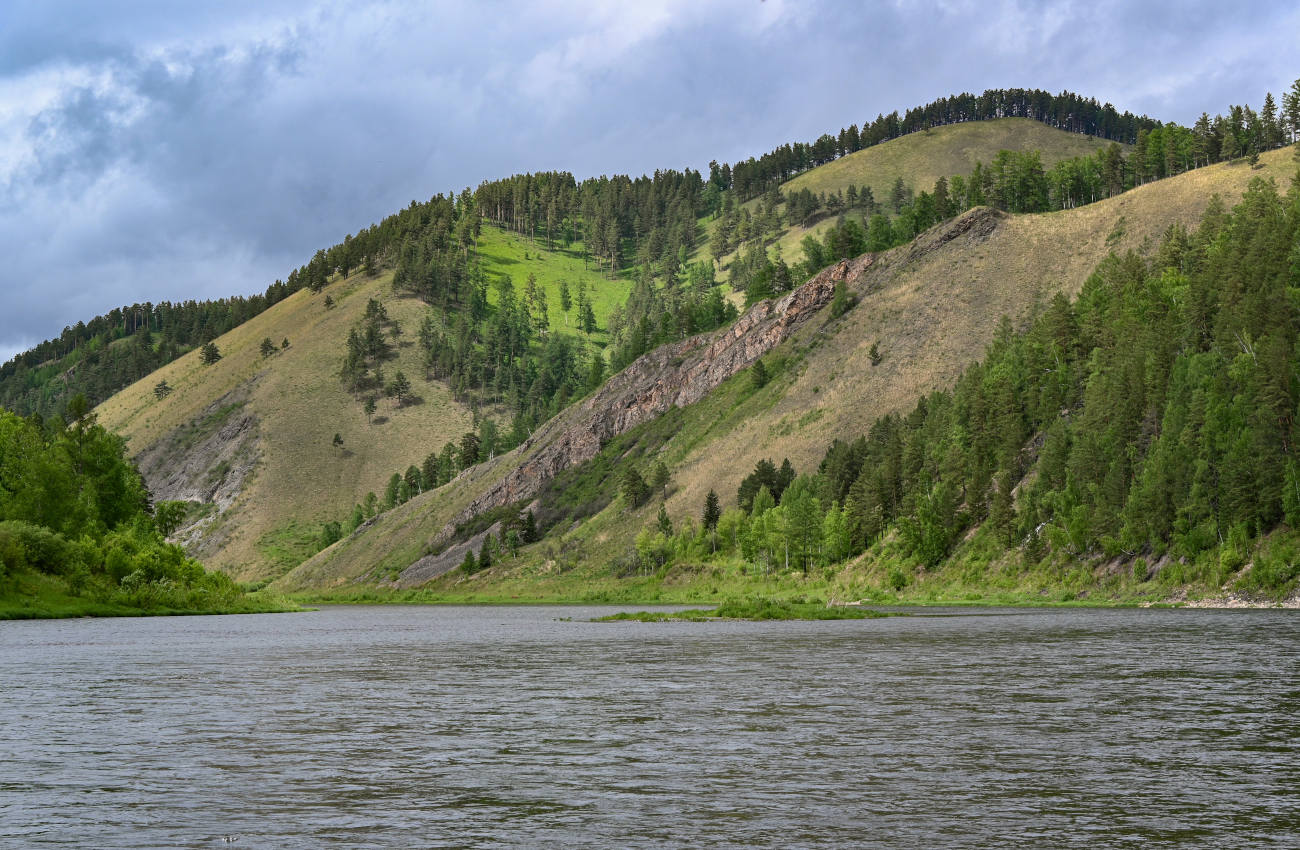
x=301, y=403
x=922, y=158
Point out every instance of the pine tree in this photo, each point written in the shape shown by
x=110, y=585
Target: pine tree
x=659, y=478
x=565, y=301
x=400, y=388
x=712, y=511
x=758, y=376
x=1290, y=119
x=469, y=449
x=664, y=523
x=209, y=353
x=267, y=347
x=635, y=490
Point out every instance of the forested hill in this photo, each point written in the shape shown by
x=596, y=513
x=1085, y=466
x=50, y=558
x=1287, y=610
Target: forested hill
x=1153, y=421
x=624, y=221
x=926, y=309
x=648, y=222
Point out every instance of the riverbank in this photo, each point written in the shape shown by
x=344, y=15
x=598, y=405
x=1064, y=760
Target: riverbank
x=715, y=584
x=37, y=596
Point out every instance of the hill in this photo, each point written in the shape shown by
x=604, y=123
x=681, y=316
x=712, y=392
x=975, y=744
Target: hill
x=920, y=159
x=932, y=306
x=923, y=157
x=249, y=440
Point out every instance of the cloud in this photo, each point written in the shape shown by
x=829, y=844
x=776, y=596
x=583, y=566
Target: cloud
x=150, y=151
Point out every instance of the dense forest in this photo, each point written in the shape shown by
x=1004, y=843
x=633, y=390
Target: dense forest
x=1153, y=420
x=75, y=516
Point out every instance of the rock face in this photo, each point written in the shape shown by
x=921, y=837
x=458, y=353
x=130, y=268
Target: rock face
x=672, y=375
x=432, y=566
x=206, y=461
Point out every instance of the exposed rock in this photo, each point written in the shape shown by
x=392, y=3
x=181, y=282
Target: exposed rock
x=432, y=566
x=673, y=375
x=207, y=461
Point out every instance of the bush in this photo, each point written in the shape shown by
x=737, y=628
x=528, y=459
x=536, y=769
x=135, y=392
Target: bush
x=33, y=546
x=1274, y=572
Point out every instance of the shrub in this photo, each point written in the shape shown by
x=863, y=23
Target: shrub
x=40, y=548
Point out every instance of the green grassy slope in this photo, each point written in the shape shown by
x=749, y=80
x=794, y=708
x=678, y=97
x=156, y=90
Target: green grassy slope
x=509, y=254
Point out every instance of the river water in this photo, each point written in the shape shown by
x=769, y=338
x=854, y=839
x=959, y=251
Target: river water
x=516, y=726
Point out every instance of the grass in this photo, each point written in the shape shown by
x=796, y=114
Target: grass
x=922, y=158
x=510, y=254
x=752, y=609
x=37, y=596
x=299, y=403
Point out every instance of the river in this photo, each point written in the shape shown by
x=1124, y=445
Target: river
x=530, y=726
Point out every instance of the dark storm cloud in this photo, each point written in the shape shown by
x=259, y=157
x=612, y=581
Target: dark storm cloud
x=151, y=153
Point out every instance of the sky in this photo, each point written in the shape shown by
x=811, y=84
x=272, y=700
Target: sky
x=156, y=151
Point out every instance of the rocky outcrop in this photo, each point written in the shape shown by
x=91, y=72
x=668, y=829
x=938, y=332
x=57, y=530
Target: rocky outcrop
x=672, y=375
x=431, y=566
x=206, y=461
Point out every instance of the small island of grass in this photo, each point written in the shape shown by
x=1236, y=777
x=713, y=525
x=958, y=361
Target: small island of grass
x=752, y=609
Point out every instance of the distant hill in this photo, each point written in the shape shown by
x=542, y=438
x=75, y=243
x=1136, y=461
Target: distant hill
x=922, y=157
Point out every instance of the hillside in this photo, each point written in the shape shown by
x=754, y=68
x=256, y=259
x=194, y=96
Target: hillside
x=921, y=158
x=933, y=306
x=249, y=439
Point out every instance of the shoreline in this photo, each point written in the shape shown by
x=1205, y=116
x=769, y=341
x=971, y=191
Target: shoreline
x=1228, y=602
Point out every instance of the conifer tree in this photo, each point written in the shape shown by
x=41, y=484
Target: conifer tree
x=659, y=478
x=664, y=523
